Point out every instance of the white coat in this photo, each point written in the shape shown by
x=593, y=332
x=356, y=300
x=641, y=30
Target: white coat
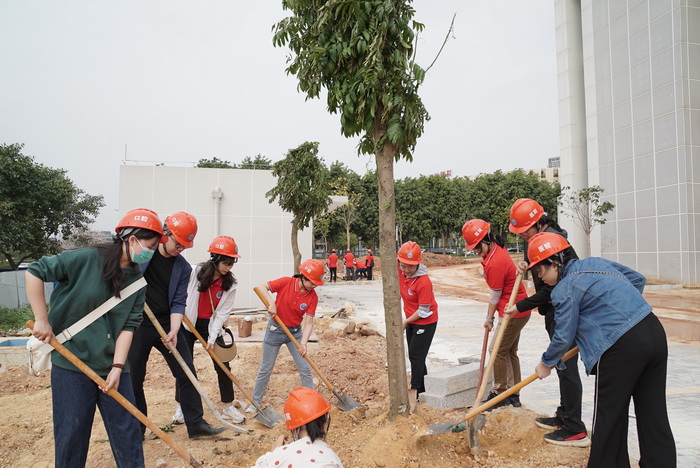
x=221, y=314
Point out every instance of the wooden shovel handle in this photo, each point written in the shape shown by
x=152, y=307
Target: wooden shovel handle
x=263, y=297
x=75, y=360
x=514, y=389
x=499, y=338
x=213, y=355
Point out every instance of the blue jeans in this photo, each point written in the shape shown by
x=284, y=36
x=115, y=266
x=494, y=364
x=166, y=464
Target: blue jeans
x=74, y=398
x=273, y=341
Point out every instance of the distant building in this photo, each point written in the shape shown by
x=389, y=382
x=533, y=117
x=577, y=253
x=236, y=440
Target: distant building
x=629, y=121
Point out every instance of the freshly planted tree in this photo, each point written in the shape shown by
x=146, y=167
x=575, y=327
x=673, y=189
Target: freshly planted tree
x=361, y=53
x=39, y=206
x=302, y=189
x=585, y=208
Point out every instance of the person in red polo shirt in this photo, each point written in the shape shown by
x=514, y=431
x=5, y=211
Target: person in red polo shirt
x=421, y=313
x=500, y=274
x=369, y=261
x=349, y=266
x=295, y=303
x=333, y=266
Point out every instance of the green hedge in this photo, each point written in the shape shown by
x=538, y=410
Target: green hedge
x=15, y=319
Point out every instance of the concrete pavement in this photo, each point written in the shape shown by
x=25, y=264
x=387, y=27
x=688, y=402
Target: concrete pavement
x=460, y=334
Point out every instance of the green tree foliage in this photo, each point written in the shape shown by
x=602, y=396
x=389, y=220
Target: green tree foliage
x=585, y=208
x=39, y=206
x=215, y=163
x=302, y=189
x=361, y=54
x=259, y=162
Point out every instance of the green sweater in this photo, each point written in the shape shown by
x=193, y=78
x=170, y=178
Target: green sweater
x=79, y=291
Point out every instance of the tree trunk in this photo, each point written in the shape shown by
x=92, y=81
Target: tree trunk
x=398, y=387
x=295, y=245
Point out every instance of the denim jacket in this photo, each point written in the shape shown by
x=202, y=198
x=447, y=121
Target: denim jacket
x=596, y=301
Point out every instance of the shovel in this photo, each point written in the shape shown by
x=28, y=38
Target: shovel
x=266, y=416
x=176, y=354
x=75, y=360
x=482, y=362
x=345, y=402
x=441, y=428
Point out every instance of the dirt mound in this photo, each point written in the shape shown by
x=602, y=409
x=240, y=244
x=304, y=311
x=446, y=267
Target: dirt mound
x=435, y=260
x=362, y=438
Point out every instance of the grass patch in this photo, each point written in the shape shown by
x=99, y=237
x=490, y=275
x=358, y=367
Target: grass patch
x=15, y=319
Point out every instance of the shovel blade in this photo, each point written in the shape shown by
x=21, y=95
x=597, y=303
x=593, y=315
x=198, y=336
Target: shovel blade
x=268, y=417
x=345, y=402
x=442, y=428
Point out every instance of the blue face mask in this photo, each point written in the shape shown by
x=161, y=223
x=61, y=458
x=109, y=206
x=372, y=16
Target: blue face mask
x=144, y=256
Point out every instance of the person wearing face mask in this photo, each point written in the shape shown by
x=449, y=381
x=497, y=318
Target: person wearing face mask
x=168, y=275
x=86, y=278
x=527, y=218
x=500, y=275
x=210, y=297
x=421, y=311
x=598, y=306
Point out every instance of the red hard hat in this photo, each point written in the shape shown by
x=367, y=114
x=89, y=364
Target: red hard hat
x=348, y=250
x=183, y=227
x=332, y=250
x=543, y=245
x=303, y=406
x=224, y=245
x=313, y=271
x=474, y=232
x=142, y=218
x=409, y=253
x=369, y=250
x=524, y=213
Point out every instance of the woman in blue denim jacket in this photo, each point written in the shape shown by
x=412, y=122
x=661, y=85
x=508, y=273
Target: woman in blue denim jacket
x=599, y=307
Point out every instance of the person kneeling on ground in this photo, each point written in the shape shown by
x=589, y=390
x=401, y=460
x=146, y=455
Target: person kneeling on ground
x=307, y=417
x=599, y=306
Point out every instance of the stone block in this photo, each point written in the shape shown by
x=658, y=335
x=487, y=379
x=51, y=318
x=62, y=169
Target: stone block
x=369, y=329
x=454, y=380
x=455, y=400
x=340, y=327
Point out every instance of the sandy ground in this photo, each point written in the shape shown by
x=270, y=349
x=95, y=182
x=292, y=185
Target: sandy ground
x=365, y=437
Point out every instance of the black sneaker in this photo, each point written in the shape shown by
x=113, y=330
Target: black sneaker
x=204, y=429
x=504, y=402
x=515, y=400
x=568, y=438
x=491, y=396
x=550, y=423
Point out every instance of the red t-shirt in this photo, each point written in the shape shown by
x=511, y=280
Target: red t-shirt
x=291, y=302
x=333, y=260
x=349, y=259
x=418, y=291
x=361, y=265
x=500, y=273
x=204, y=310
x=369, y=260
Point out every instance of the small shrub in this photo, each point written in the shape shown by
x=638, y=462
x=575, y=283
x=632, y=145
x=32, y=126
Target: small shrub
x=15, y=318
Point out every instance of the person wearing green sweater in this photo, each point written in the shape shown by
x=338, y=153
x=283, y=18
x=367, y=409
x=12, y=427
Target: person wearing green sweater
x=86, y=278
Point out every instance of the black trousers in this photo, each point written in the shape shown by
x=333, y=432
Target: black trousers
x=334, y=274
x=419, y=338
x=570, y=387
x=633, y=367
x=369, y=272
x=225, y=383
x=146, y=338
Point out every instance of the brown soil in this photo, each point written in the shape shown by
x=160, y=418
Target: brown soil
x=361, y=438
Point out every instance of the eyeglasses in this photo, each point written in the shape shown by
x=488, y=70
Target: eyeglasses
x=178, y=246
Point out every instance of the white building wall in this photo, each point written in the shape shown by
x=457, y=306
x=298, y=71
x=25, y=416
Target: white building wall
x=262, y=230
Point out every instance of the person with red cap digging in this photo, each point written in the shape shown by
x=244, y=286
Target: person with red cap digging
x=210, y=297
x=307, y=417
x=421, y=312
x=599, y=307
x=369, y=262
x=527, y=218
x=86, y=278
x=168, y=274
x=295, y=305
x=333, y=266
x=500, y=274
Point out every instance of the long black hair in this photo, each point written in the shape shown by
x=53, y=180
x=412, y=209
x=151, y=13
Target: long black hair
x=317, y=428
x=545, y=221
x=491, y=238
x=112, y=272
x=206, y=273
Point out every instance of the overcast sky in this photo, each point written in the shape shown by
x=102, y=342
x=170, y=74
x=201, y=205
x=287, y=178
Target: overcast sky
x=176, y=81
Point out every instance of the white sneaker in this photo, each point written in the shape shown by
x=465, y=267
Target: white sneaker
x=230, y=412
x=251, y=409
x=178, y=417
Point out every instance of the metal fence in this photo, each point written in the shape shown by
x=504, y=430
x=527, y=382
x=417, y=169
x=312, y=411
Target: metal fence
x=12, y=291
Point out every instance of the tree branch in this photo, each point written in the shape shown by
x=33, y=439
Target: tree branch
x=447, y=36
